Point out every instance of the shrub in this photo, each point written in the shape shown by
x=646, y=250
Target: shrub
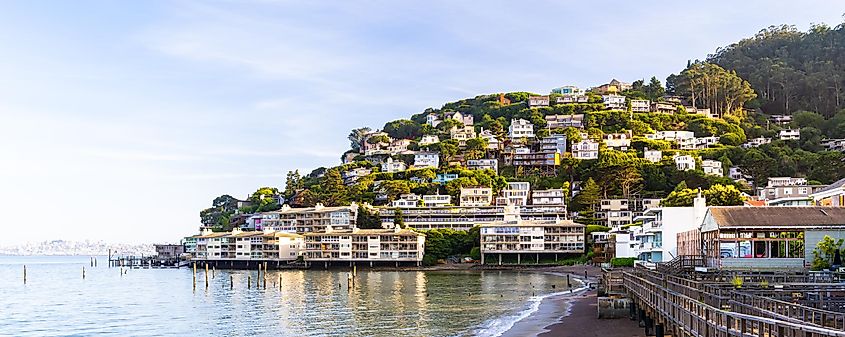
x=622, y=262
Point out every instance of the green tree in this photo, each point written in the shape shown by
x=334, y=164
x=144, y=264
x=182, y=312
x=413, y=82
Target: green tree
x=367, y=218
x=398, y=219
x=825, y=252
x=681, y=196
x=722, y=195
x=356, y=138
x=293, y=183
x=332, y=190
x=403, y=129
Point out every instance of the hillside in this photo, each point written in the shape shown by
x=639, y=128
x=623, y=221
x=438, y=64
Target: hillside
x=718, y=112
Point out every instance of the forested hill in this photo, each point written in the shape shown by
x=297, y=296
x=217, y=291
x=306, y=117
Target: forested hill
x=725, y=106
x=792, y=70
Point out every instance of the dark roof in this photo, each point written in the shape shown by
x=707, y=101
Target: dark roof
x=740, y=216
x=838, y=184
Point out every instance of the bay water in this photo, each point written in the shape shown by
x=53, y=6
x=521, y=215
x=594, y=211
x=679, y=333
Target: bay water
x=57, y=301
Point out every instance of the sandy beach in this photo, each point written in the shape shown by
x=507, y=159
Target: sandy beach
x=573, y=315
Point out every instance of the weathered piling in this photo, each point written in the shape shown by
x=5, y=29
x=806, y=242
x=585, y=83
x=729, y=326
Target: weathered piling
x=280, y=281
x=212, y=272
x=249, y=281
x=195, y=276
x=231, y=282
x=349, y=282
x=206, y=276
x=83, y=272
x=24, y=274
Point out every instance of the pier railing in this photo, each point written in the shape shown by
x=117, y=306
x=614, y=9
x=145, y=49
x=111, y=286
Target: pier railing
x=683, y=305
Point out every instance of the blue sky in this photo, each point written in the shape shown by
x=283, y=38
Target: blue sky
x=121, y=120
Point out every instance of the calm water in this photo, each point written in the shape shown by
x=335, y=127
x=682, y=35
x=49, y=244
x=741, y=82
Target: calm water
x=56, y=301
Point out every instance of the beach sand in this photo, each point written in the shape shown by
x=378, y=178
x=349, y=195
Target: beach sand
x=573, y=315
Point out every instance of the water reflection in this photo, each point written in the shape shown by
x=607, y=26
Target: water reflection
x=57, y=302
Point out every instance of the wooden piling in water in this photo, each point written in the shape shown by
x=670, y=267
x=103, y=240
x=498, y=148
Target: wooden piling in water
x=249, y=281
x=231, y=282
x=212, y=272
x=195, y=276
x=206, y=276
x=83, y=272
x=24, y=274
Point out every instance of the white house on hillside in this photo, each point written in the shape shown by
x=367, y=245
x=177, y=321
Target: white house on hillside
x=520, y=128
x=712, y=167
x=427, y=159
x=585, y=149
x=789, y=134
x=653, y=156
x=684, y=163
x=640, y=105
x=614, y=102
x=391, y=166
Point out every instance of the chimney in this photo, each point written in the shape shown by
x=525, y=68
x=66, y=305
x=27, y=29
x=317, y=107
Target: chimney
x=699, y=205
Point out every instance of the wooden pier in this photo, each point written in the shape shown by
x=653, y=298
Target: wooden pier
x=674, y=300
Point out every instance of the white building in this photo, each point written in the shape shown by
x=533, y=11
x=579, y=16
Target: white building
x=483, y=164
x=432, y=119
x=618, y=141
x=531, y=239
x=553, y=143
x=653, y=156
x=712, y=167
x=476, y=196
x=832, y=195
x=563, y=121
x=538, y=101
x=834, y=144
x=516, y=193
x=670, y=135
x=365, y=245
x=657, y=239
x=756, y=142
x=520, y=128
x=429, y=139
x=640, y=105
x=465, y=119
x=789, y=134
x=554, y=197
x=427, y=159
x=684, y=163
x=614, y=102
x=436, y=200
x=462, y=134
x=585, y=149
x=492, y=142
x=391, y=166
x=406, y=201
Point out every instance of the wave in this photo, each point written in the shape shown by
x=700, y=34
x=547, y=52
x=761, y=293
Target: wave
x=498, y=326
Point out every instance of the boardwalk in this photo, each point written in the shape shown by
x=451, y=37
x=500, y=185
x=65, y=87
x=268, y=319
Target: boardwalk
x=715, y=305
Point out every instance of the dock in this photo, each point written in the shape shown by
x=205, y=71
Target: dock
x=681, y=299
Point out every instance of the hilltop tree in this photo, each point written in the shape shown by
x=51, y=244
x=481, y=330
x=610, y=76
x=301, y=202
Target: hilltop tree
x=654, y=89
x=356, y=138
x=332, y=190
x=293, y=183
x=710, y=86
x=403, y=129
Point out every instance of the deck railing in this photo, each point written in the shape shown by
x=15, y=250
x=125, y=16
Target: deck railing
x=685, y=307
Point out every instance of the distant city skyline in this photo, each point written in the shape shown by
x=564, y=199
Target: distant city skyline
x=122, y=120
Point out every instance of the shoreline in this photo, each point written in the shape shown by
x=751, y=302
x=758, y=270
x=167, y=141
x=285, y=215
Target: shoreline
x=572, y=314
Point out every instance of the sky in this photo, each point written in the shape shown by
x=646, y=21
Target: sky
x=121, y=120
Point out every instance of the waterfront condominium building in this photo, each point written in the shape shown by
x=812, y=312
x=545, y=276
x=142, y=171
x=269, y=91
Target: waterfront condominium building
x=266, y=245
x=616, y=212
x=365, y=245
x=310, y=219
x=531, y=239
